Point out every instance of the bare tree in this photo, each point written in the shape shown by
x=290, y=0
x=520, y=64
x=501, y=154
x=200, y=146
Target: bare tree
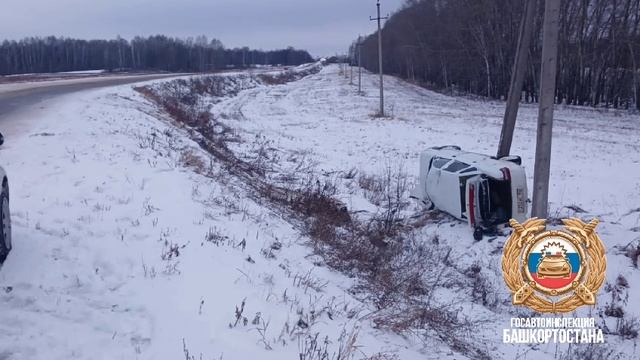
x=471, y=45
x=51, y=54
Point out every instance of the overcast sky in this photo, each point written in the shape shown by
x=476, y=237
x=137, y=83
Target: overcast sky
x=324, y=27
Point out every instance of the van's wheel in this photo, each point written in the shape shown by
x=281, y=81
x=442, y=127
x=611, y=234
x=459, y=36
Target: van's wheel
x=5, y=222
x=429, y=205
x=512, y=158
x=477, y=234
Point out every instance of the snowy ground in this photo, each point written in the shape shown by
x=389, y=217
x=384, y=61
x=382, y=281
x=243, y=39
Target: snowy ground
x=123, y=251
x=595, y=161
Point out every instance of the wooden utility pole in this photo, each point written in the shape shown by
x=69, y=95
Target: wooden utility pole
x=517, y=78
x=359, y=64
x=545, y=113
x=378, y=19
x=351, y=68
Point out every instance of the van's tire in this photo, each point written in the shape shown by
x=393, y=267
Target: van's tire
x=429, y=205
x=5, y=223
x=477, y=234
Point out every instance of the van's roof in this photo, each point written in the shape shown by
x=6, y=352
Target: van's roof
x=484, y=163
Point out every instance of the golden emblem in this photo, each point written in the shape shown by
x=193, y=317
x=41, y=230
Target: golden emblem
x=554, y=271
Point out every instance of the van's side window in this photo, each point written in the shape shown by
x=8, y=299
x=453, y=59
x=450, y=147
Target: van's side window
x=439, y=162
x=456, y=166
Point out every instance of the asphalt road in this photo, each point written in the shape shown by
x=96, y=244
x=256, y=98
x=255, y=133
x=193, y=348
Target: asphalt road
x=19, y=97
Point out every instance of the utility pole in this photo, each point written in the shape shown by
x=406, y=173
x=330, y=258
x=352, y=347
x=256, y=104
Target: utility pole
x=545, y=112
x=359, y=64
x=351, y=68
x=517, y=79
x=378, y=19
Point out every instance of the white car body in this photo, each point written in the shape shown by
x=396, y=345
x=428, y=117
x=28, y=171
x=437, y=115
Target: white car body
x=476, y=188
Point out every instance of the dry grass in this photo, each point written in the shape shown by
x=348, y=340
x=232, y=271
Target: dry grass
x=284, y=77
x=632, y=251
x=189, y=158
x=382, y=252
x=591, y=352
x=626, y=327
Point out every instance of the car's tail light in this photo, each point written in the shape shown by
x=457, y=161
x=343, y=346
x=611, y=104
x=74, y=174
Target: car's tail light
x=506, y=173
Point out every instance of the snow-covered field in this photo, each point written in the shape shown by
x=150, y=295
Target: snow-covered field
x=595, y=161
x=123, y=251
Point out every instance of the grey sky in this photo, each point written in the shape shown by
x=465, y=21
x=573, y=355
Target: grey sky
x=324, y=27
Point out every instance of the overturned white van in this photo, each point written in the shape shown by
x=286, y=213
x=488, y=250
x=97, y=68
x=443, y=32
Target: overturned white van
x=475, y=188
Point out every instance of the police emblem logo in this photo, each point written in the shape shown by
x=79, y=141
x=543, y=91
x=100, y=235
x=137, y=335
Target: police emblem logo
x=554, y=271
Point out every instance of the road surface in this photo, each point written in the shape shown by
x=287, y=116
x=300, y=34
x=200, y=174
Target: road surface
x=25, y=96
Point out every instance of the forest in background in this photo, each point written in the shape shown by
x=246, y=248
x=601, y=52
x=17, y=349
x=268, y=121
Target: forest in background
x=468, y=46
x=153, y=53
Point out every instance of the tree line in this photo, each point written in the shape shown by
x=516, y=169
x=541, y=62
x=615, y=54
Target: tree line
x=153, y=53
x=469, y=46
